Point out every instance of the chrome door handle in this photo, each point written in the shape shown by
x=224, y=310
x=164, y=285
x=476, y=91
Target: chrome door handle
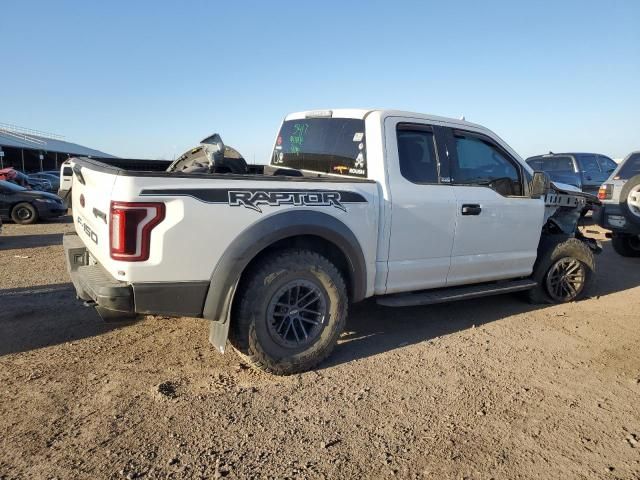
x=471, y=209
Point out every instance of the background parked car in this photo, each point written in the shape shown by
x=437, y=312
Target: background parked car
x=19, y=178
x=620, y=209
x=587, y=171
x=39, y=184
x=54, y=180
x=28, y=206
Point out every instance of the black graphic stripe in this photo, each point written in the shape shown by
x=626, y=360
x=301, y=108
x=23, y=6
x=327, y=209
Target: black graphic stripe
x=221, y=195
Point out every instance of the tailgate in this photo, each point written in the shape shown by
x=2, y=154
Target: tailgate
x=91, y=191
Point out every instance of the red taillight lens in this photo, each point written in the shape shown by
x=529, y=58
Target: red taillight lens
x=130, y=226
x=605, y=192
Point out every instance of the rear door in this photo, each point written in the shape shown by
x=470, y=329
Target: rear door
x=91, y=191
x=497, y=225
x=422, y=208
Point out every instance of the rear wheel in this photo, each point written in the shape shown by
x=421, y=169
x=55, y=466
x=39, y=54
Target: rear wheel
x=290, y=313
x=563, y=271
x=626, y=245
x=24, y=214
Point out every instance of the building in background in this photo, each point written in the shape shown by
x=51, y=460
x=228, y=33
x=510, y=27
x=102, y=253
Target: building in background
x=33, y=151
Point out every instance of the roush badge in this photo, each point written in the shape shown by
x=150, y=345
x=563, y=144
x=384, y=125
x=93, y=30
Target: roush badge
x=253, y=199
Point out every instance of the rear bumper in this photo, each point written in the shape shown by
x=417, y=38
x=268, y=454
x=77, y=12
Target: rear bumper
x=94, y=284
x=65, y=195
x=116, y=300
x=612, y=217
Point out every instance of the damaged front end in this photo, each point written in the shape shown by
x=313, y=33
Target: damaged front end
x=564, y=208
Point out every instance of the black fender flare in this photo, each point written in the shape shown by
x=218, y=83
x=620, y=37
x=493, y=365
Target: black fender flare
x=260, y=235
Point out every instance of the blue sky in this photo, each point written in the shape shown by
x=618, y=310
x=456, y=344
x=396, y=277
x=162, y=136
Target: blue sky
x=150, y=79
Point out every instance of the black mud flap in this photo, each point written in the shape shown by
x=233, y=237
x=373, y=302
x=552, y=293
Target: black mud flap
x=218, y=333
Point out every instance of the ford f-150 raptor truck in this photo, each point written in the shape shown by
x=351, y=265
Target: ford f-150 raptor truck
x=412, y=209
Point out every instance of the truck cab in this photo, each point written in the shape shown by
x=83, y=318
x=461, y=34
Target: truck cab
x=454, y=198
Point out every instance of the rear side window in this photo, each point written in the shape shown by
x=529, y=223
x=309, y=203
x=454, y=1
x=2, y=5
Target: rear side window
x=325, y=145
x=417, y=154
x=589, y=164
x=558, y=164
x=630, y=168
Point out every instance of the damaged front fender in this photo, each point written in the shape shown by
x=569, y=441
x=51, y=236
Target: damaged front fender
x=564, y=207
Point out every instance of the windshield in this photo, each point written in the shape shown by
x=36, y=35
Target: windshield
x=630, y=168
x=12, y=187
x=325, y=145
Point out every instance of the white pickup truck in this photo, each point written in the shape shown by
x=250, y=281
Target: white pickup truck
x=412, y=209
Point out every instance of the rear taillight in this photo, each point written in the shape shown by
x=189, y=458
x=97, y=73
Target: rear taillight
x=130, y=226
x=605, y=192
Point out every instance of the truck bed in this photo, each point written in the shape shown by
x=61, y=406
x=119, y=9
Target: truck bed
x=157, y=168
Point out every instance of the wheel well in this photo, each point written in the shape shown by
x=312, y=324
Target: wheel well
x=317, y=244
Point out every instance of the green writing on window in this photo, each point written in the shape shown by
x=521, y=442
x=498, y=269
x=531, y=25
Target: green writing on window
x=297, y=138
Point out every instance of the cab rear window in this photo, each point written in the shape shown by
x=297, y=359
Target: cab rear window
x=324, y=145
x=557, y=164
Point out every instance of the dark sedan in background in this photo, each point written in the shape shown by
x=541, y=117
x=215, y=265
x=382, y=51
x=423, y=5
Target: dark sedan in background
x=587, y=171
x=28, y=206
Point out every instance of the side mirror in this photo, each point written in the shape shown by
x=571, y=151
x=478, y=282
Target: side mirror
x=539, y=185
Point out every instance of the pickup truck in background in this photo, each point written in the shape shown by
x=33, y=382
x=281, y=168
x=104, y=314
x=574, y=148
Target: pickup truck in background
x=586, y=171
x=409, y=208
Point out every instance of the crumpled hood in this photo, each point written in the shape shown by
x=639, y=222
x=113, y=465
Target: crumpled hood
x=570, y=189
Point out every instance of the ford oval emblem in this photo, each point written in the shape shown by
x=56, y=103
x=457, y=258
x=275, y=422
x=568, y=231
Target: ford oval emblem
x=81, y=200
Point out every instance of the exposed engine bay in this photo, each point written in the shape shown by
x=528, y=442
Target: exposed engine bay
x=564, y=207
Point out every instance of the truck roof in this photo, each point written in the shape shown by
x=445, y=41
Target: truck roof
x=361, y=113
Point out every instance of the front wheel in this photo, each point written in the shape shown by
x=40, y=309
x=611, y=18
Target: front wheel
x=626, y=245
x=291, y=310
x=563, y=271
x=24, y=214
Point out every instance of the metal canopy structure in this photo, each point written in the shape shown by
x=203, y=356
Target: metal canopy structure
x=32, y=150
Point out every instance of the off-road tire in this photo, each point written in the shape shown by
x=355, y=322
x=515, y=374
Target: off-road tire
x=626, y=245
x=19, y=212
x=250, y=334
x=551, y=251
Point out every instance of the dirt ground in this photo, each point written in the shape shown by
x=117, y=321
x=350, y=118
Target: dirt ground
x=489, y=388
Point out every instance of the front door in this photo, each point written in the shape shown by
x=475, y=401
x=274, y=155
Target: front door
x=422, y=207
x=497, y=225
